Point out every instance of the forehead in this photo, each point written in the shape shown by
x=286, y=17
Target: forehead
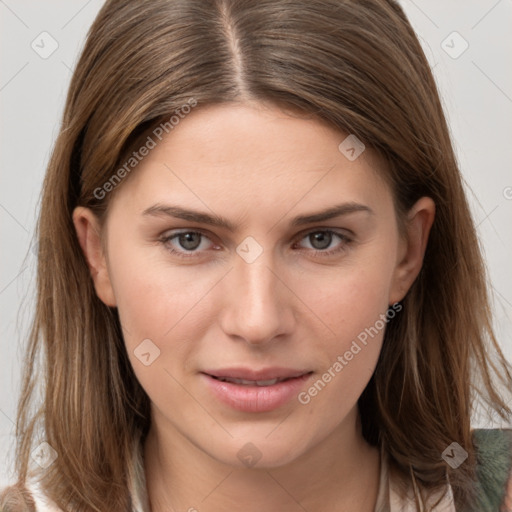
x=256, y=155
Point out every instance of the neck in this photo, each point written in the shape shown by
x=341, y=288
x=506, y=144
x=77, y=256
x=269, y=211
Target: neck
x=339, y=473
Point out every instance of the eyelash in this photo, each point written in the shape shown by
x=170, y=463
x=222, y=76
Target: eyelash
x=344, y=242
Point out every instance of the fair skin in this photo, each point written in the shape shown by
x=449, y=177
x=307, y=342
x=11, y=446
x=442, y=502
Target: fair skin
x=258, y=168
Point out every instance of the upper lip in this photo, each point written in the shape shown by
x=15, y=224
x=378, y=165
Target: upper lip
x=257, y=375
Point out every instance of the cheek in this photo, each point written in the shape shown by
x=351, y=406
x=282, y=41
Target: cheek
x=353, y=304
x=159, y=322
x=158, y=302
x=349, y=300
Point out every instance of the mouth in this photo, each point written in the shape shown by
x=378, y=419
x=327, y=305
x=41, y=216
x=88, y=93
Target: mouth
x=244, y=382
x=255, y=391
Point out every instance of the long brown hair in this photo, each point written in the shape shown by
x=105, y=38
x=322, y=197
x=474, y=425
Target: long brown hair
x=355, y=64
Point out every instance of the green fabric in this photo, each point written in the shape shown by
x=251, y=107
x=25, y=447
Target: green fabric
x=494, y=463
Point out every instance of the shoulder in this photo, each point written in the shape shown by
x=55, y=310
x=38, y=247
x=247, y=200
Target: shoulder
x=27, y=498
x=16, y=498
x=42, y=503
x=493, y=451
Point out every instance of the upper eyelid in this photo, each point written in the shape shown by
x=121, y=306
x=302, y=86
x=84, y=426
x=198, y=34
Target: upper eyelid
x=337, y=231
x=305, y=231
x=300, y=234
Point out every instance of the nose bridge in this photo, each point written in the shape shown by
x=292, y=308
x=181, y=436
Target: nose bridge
x=259, y=283
x=256, y=309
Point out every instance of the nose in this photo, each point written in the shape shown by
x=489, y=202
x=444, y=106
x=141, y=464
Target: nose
x=257, y=306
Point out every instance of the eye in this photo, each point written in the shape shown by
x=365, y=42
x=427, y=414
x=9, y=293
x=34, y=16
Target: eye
x=186, y=243
x=323, y=242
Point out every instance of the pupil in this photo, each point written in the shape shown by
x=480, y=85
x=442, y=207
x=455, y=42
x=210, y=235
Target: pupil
x=190, y=241
x=321, y=240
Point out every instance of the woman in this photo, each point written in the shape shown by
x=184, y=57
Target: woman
x=259, y=283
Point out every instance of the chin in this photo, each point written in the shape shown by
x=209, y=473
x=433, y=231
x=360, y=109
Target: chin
x=257, y=452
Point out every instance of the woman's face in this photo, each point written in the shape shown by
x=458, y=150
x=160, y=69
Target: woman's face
x=248, y=245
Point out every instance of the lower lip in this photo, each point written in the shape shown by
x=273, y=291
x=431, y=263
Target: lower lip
x=256, y=398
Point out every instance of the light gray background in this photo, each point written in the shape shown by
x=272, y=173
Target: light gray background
x=476, y=88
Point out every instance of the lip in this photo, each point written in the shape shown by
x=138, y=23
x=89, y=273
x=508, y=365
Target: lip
x=251, y=374
x=249, y=398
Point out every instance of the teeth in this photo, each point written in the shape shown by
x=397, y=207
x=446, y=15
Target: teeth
x=252, y=382
x=266, y=382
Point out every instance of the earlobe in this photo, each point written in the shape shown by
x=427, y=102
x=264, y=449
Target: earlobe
x=89, y=236
x=412, y=247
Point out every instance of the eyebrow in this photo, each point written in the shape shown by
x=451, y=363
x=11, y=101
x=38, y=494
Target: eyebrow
x=162, y=210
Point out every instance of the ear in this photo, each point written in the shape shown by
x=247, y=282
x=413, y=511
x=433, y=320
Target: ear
x=88, y=231
x=412, y=247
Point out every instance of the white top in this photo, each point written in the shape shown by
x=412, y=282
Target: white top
x=389, y=497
